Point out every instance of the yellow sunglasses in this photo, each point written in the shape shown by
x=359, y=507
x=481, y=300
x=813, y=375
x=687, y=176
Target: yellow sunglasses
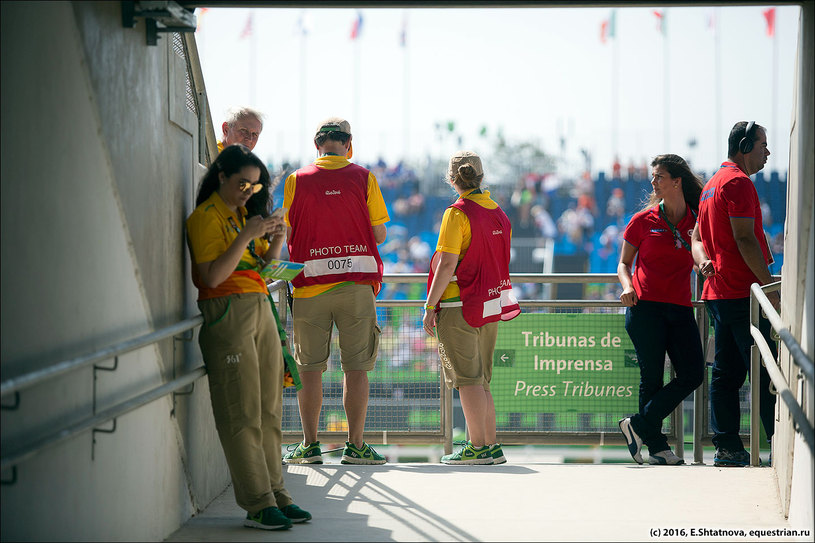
x=246, y=186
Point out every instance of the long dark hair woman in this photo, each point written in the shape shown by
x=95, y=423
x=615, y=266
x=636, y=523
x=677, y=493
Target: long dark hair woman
x=659, y=316
x=228, y=235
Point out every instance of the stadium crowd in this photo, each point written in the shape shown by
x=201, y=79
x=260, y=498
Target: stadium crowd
x=584, y=217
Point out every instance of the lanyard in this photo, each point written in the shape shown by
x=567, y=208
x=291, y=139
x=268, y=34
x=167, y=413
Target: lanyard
x=260, y=262
x=677, y=236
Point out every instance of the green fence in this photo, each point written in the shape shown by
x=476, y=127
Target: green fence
x=564, y=372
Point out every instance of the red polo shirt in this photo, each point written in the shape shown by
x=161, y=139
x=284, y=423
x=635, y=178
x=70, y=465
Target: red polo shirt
x=729, y=194
x=663, y=265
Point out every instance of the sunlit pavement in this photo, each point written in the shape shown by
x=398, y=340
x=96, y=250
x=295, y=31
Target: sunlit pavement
x=543, y=498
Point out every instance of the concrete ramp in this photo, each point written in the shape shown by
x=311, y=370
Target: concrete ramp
x=530, y=501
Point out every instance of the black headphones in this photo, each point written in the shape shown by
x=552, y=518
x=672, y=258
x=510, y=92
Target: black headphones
x=746, y=143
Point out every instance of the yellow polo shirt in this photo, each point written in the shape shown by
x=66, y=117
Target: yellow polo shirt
x=210, y=233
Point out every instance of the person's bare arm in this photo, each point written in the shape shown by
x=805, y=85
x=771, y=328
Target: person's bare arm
x=445, y=269
x=750, y=250
x=627, y=254
x=380, y=233
x=703, y=263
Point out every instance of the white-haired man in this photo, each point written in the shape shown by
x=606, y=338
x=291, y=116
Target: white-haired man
x=242, y=125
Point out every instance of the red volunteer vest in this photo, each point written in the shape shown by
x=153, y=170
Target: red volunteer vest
x=331, y=227
x=483, y=274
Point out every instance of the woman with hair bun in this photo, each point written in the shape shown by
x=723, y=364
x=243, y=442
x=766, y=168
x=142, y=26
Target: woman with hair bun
x=659, y=316
x=468, y=293
x=240, y=343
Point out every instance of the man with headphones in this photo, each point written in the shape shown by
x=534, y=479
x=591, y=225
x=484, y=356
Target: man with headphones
x=732, y=253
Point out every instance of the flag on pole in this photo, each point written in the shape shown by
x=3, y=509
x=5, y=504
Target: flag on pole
x=711, y=19
x=769, y=15
x=303, y=23
x=356, y=28
x=247, y=29
x=200, y=17
x=660, y=15
x=607, y=27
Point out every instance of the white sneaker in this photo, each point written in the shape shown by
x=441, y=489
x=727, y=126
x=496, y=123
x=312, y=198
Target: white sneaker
x=633, y=441
x=665, y=458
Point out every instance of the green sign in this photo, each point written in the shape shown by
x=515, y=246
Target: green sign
x=565, y=362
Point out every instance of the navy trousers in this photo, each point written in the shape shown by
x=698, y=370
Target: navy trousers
x=655, y=329
x=731, y=323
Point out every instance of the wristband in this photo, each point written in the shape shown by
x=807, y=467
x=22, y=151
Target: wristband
x=429, y=307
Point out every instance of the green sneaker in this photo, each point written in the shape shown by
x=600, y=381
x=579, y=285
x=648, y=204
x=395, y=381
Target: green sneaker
x=365, y=455
x=303, y=454
x=497, y=453
x=469, y=455
x=270, y=518
x=295, y=514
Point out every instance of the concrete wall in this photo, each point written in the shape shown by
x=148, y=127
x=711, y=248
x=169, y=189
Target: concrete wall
x=99, y=168
x=794, y=466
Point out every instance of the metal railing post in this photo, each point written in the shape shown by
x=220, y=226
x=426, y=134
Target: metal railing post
x=699, y=393
x=755, y=388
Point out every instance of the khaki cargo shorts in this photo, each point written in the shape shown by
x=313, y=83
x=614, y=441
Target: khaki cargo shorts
x=465, y=352
x=352, y=309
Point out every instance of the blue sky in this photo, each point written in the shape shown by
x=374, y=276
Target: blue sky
x=535, y=74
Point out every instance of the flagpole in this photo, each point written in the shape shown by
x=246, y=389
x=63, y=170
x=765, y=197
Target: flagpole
x=717, y=75
x=405, y=91
x=608, y=30
x=666, y=81
x=301, y=140
x=356, y=81
x=615, y=83
x=356, y=31
x=774, y=117
x=252, y=63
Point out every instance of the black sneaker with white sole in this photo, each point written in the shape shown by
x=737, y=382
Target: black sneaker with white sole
x=633, y=441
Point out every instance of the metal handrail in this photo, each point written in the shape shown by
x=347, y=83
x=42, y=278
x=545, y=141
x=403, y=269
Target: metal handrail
x=518, y=277
x=53, y=370
x=14, y=455
x=761, y=353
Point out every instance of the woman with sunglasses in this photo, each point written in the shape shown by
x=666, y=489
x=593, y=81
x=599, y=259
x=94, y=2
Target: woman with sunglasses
x=230, y=241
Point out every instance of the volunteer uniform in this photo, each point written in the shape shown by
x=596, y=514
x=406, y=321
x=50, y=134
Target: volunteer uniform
x=480, y=294
x=242, y=351
x=331, y=206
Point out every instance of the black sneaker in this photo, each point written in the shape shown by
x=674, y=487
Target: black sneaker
x=632, y=439
x=725, y=458
x=295, y=514
x=270, y=518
